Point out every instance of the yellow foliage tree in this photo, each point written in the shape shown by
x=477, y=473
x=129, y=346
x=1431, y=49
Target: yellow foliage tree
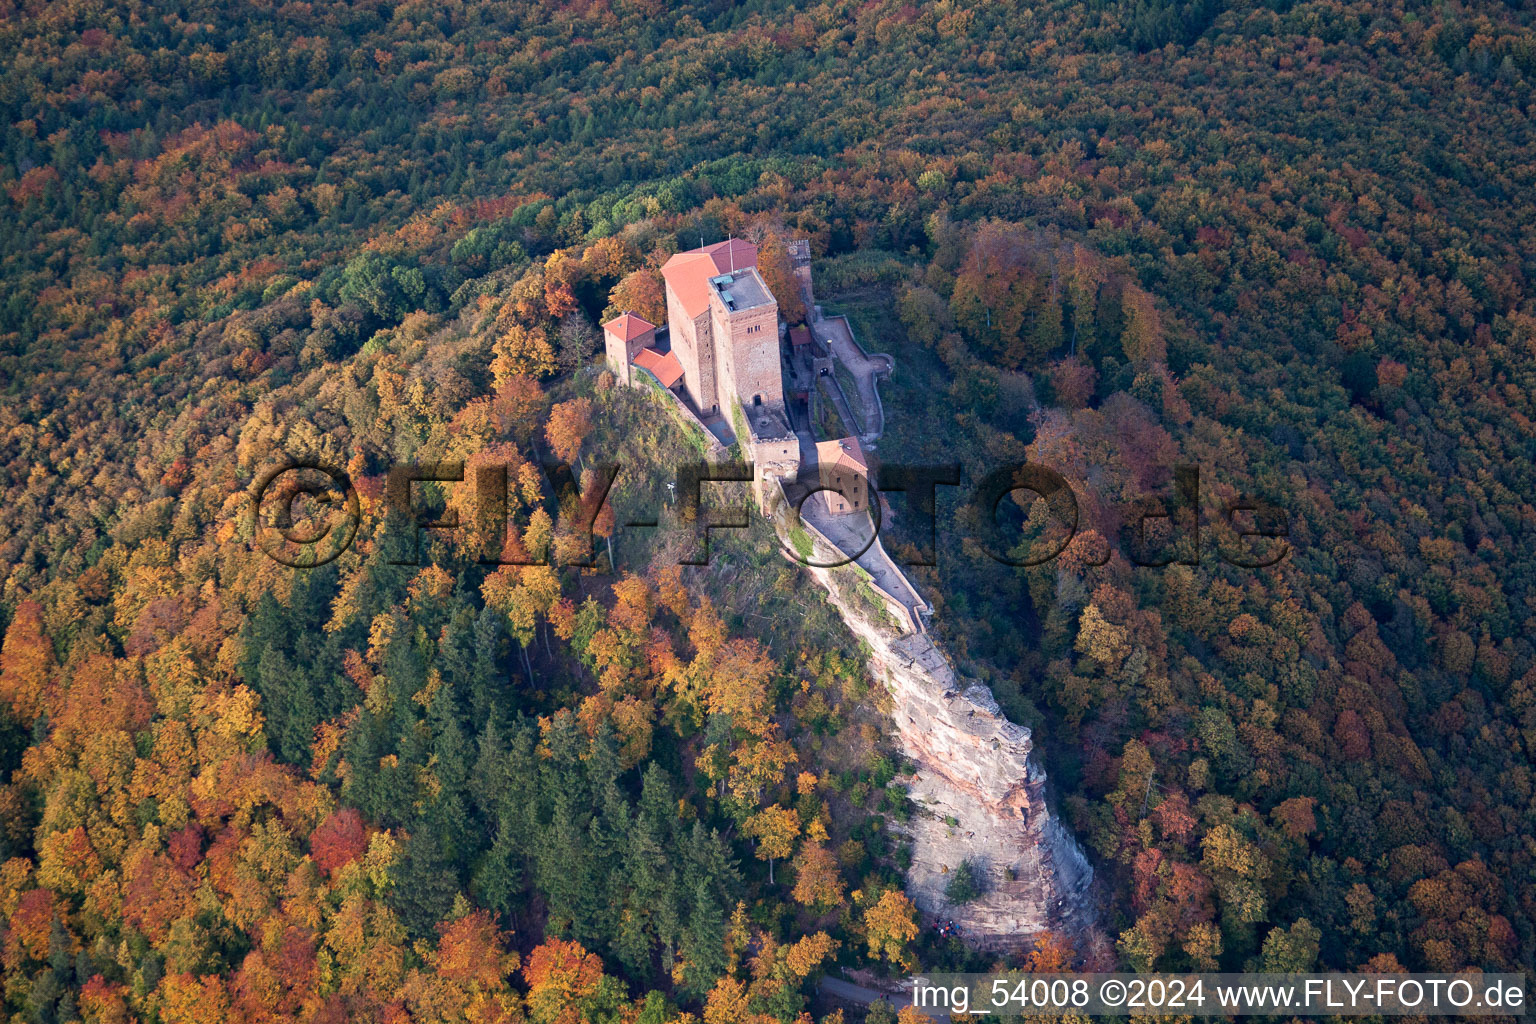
x=521, y=351
x=890, y=925
x=817, y=882
x=775, y=829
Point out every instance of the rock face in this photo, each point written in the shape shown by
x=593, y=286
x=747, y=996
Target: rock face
x=979, y=796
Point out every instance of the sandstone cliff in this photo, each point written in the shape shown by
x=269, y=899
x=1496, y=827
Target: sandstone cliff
x=979, y=794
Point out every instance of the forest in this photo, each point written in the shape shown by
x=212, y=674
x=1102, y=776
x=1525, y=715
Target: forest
x=1286, y=241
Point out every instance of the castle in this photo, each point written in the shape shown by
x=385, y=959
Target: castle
x=719, y=354
x=975, y=777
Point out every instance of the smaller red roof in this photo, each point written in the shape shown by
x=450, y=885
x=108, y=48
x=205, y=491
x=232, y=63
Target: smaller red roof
x=628, y=327
x=666, y=368
x=799, y=336
x=844, y=451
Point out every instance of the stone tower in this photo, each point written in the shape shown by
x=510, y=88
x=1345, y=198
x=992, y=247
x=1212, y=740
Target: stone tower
x=623, y=338
x=724, y=325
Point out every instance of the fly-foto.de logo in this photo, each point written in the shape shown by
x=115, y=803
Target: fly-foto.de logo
x=305, y=514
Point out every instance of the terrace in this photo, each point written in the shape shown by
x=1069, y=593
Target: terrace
x=741, y=289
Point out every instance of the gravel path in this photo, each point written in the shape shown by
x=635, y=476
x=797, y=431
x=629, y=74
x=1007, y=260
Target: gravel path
x=837, y=335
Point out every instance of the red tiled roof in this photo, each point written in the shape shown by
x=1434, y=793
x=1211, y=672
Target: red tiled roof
x=844, y=451
x=687, y=276
x=665, y=367
x=799, y=336
x=688, y=273
x=732, y=254
x=628, y=327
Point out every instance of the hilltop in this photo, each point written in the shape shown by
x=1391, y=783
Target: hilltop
x=1284, y=241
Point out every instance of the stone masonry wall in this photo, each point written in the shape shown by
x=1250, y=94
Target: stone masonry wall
x=694, y=346
x=616, y=353
x=753, y=343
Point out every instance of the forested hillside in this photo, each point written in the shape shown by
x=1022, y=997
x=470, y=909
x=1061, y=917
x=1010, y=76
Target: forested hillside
x=1287, y=242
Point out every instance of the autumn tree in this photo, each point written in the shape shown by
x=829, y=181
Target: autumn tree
x=562, y=271
x=890, y=925
x=523, y=594
x=467, y=977
x=774, y=264
x=521, y=351
x=775, y=829
x=817, y=881
x=26, y=663
x=577, y=341
x=998, y=288
x=1142, y=337
x=566, y=985
x=517, y=406
x=338, y=841
x=569, y=424
x=640, y=292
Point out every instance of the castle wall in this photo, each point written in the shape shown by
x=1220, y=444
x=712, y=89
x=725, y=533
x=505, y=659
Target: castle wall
x=747, y=354
x=803, y=279
x=725, y=376
x=693, y=342
x=800, y=263
x=773, y=459
x=752, y=336
x=617, y=355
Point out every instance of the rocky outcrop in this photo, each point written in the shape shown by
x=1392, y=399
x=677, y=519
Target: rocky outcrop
x=979, y=794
